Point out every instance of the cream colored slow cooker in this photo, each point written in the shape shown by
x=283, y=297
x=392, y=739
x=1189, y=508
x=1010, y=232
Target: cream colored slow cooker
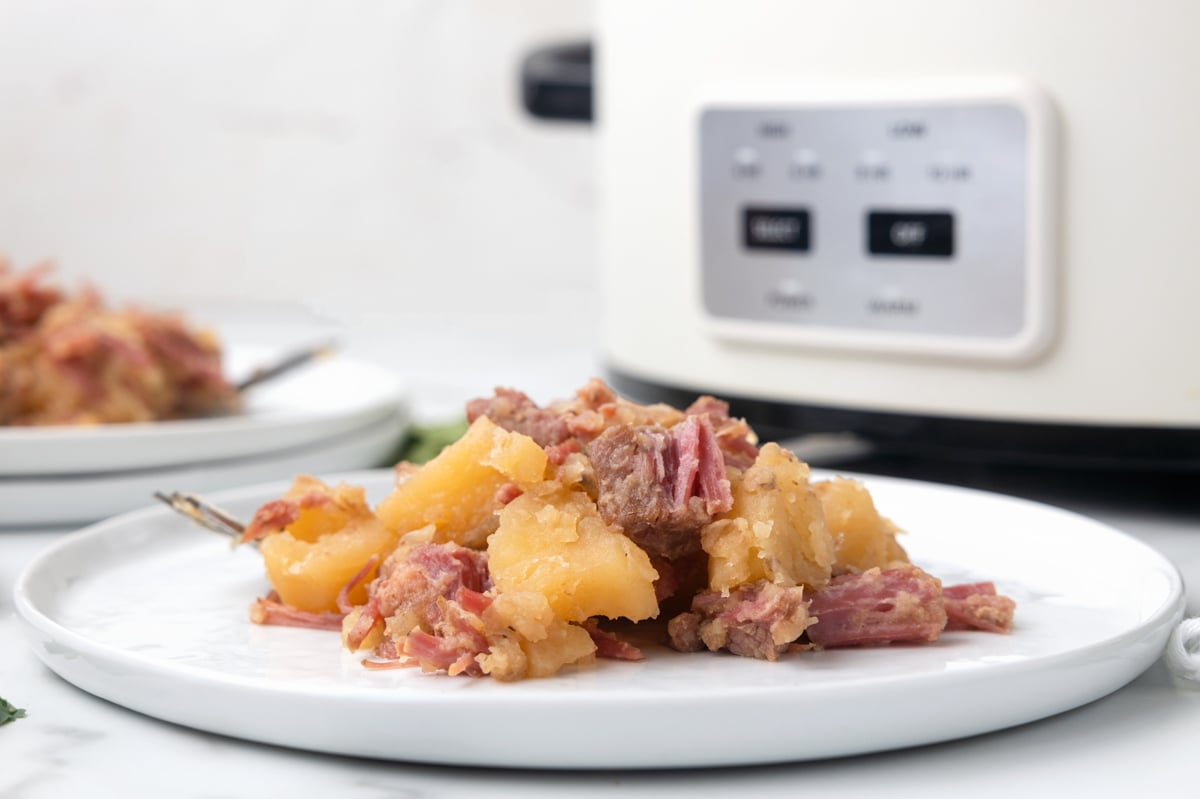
x=969, y=225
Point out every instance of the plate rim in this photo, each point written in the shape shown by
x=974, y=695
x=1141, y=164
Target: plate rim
x=377, y=438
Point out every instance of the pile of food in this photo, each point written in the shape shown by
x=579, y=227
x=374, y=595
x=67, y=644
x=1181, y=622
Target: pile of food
x=69, y=359
x=545, y=535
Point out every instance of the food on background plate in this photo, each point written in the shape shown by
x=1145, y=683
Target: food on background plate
x=68, y=359
x=539, y=537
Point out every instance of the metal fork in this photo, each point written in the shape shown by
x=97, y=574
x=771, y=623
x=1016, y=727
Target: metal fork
x=203, y=513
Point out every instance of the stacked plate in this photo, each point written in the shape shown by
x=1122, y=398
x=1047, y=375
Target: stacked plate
x=333, y=414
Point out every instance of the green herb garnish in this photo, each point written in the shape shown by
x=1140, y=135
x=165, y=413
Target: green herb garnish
x=425, y=442
x=9, y=713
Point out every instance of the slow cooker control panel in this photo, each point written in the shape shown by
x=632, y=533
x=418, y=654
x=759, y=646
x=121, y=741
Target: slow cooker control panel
x=900, y=226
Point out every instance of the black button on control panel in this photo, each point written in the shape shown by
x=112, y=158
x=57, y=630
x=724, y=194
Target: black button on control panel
x=922, y=234
x=776, y=229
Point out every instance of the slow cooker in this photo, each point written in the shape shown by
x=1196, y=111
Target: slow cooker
x=942, y=226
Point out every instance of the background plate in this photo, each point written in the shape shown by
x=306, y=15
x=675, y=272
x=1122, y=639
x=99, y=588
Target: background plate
x=328, y=397
x=150, y=612
x=79, y=499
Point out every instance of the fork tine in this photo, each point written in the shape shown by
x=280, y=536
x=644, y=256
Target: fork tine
x=286, y=364
x=203, y=513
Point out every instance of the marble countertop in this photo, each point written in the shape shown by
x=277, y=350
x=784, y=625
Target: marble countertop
x=1139, y=738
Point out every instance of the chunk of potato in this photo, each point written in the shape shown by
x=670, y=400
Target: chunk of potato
x=456, y=491
x=552, y=540
x=333, y=541
x=775, y=530
x=862, y=539
x=526, y=639
x=323, y=510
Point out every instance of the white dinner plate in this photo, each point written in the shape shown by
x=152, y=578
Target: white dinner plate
x=74, y=500
x=317, y=401
x=150, y=612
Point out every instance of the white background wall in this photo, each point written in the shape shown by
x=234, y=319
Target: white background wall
x=369, y=157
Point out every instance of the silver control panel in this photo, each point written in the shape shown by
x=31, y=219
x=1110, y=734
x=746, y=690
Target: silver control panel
x=899, y=227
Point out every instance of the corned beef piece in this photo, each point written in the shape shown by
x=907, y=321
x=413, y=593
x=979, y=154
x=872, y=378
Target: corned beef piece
x=432, y=597
x=757, y=620
x=661, y=486
x=977, y=606
x=516, y=412
x=414, y=580
x=879, y=606
x=734, y=436
x=596, y=407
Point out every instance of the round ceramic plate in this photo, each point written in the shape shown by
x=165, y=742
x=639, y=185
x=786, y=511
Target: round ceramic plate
x=79, y=499
x=323, y=399
x=150, y=612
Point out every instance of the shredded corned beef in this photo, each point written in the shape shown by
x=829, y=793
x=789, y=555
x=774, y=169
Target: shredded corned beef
x=557, y=454
x=507, y=493
x=271, y=517
x=188, y=362
x=608, y=645
x=24, y=298
x=68, y=359
x=269, y=610
x=415, y=579
x=879, y=606
x=431, y=597
x=661, y=485
x=515, y=411
x=368, y=618
x=683, y=632
x=343, y=597
x=596, y=407
x=452, y=646
x=734, y=436
x=275, y=515
x=977, y=606
x=757, y=620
